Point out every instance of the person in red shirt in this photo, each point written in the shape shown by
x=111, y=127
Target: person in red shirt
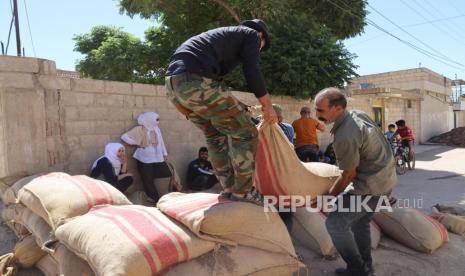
x=405, y=135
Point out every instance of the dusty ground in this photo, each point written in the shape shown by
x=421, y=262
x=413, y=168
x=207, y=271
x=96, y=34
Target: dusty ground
x=438, y=178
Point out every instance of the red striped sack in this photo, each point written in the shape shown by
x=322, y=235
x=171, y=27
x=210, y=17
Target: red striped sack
x=413, y=229
x=58, y=197
x=241, y=260
x=130, y=240
x=212, y=217
x=278, y=170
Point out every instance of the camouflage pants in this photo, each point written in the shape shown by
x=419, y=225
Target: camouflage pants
x=219, y=115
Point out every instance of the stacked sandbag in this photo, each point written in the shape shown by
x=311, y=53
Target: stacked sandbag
x=309, y=230
x=413, y=229
x=453, y=218
x=59, y=197
x=7, y=181
x=10, y=195
x=25, y=254
x=213, y=217
x=8, y=215
x=278, y=171
x=130, y=240
x=48, y=266
x=240, y=260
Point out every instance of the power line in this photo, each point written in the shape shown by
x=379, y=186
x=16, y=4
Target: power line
x=441, y=14
x=29, y=27
x=433, y=23
x=414, y=37
x=425, y=52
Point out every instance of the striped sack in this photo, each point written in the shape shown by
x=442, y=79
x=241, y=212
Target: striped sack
x=130, y=240
x=453, y=223
x=240, y=260
x=309, y=230
x=212, y=217
x=413, y=229
x=58, y=197
x=278, y=170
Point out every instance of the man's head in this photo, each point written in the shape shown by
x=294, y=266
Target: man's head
x=203, y=153
x=259, y=26
x=392, y=127
x=305, y=112
x=279, y=112
x=330, y=103
x=400, y=124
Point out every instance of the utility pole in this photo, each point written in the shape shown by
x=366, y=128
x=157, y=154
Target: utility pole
x=18, y=39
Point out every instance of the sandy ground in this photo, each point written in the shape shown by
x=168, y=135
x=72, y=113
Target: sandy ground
x=439, y=177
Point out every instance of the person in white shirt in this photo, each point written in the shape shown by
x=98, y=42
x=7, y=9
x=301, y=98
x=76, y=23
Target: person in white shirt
x=151, y=154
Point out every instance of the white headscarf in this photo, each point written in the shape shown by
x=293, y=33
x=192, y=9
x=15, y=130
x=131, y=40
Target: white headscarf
x=148, y=120
x=111, y=151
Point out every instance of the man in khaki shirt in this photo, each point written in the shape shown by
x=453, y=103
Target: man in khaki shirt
x=365, y=156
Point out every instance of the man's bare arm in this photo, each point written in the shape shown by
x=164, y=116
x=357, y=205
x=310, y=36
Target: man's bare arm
x=343, y=181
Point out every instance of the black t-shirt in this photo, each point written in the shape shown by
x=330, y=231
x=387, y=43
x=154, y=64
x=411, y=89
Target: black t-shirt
x=105, y=168
x=215, y=53
x=198, y=167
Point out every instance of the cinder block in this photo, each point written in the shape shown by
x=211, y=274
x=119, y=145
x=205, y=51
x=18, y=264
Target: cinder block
x=71, y=113
x=79, y=127
x=129, y=101
x=94, y=113
x=63, y=83
x=16, y=80
x=88, y=85
x=109, y=127
x=160, y=91
x=109, y=100
x=143, y=89
x=19, y=64
x=47, y=67
x=73, y=98
x=95, y=141
x=118, y=87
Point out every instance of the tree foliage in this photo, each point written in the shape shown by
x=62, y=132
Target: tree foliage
x=306, y=53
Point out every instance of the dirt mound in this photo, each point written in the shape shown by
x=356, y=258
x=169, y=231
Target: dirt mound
x=455, y=137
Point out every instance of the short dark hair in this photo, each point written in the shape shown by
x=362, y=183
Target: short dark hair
x=391, y=126
x=400, y=123
x=203, y=149
x=334, y=95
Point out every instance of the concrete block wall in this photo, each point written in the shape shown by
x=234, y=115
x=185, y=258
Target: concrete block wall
x=420, y=78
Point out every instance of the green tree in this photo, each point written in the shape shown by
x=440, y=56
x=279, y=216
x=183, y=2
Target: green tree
x=306, y=53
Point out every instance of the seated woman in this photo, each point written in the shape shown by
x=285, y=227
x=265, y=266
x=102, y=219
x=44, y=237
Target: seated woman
x=112, y=167
x=150, y=155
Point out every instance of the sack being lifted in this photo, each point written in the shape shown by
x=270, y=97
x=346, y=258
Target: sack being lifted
x=278, y=170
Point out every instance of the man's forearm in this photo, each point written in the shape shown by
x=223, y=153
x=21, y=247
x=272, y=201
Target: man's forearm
x=265, y=101
x=342, y=182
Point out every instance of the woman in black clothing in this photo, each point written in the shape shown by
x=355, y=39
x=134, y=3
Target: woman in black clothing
x=112, y=167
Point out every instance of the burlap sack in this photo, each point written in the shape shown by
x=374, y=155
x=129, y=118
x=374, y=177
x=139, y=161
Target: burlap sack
x=25, y=254
x=413, y=229
x=454, y=210
x=8, y=215
x=453, y=223
x=69, y=264
x=48, y=266
x=278, y=170
x=140, y=198
x=241, y=260
x=58, y=197
x=130, y=240
x=36, y=225
x=309, y=229
x=7, y=181
x=10, y=196
x=211, y=216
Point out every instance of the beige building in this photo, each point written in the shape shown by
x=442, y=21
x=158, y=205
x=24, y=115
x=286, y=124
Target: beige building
x=420, y=96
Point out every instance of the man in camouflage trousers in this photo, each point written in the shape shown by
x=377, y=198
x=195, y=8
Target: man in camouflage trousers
x=194, y=85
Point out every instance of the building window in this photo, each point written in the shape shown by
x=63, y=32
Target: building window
x=409, y=103
x=365, y=85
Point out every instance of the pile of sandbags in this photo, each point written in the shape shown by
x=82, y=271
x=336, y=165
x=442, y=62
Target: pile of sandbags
x=455, y=137
x=75, y=225
x=279, y=172
x=453, y=218
x=36, y=205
